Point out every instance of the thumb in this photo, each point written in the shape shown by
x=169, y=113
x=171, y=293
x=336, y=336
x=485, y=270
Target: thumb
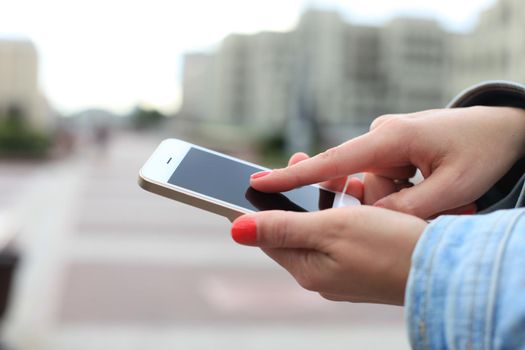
x=277, y=229
x=433, y=195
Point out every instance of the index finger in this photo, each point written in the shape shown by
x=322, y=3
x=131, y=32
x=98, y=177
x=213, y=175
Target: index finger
x=361, y=154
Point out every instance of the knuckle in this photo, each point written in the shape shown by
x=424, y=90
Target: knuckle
x=309, y=281
x=308, y=274
x=357, y=299
x=330, y=159
x=330, y=297
x=407, y=205
x=339, y=221
x=379, y=120
x=397, y=123
x=329, y=154
x=456, y=177
x=280, y=230
x=397, y=130
x=289, y=175
x=327, y=296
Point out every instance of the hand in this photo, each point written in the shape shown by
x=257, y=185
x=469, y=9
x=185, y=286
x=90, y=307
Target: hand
x=354, y=187
x=377, y=187
x=358, y=254
x=460, y=152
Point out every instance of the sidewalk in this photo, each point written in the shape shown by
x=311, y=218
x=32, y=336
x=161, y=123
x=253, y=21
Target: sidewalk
x=110, y=266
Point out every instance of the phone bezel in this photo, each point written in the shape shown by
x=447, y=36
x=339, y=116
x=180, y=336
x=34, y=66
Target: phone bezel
x=156, y=172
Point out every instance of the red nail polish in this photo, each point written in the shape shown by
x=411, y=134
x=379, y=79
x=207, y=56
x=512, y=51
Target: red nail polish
x=259, y=174
x=468, y=212
x=244, y=231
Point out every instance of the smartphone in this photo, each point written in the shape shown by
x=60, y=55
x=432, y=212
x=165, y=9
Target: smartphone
x=221, y=184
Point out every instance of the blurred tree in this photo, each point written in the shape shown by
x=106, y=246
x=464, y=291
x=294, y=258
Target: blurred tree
x=271, y=148
x=142, y=118
x=17, y=139
x=15, y=115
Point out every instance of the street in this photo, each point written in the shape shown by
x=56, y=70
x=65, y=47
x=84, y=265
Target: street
x=107, y=265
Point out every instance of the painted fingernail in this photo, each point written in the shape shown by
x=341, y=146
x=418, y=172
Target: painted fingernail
x=244, y=231
x=260, y=174
x=468, y=212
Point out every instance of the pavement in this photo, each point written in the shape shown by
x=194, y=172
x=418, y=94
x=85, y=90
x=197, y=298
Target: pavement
x=107, y=265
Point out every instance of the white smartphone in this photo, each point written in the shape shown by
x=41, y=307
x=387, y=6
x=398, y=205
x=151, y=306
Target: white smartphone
x=221, y=184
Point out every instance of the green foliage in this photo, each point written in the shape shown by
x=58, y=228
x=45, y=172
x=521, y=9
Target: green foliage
x=18, y=140
x=142, y=118
x=272, y=148
x=275, y=150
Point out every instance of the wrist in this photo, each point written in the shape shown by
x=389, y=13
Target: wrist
x=404, y=261
x=510, y=122
x=522, y=114
x=517, y=124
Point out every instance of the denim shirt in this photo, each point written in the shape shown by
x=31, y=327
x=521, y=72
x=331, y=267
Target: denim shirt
x=466, y=288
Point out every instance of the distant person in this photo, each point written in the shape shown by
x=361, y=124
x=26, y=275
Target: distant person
x=65, y=142
x=102, y=136
x=461, y=277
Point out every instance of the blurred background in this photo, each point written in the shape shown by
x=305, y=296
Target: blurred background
x=89, y=88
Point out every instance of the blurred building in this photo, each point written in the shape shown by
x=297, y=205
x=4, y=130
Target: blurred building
x=415, y=53
x=235, y=84
x=326, y=71
x=495, y=49
x=337, y=76
x=196, y=81
x=19, y=91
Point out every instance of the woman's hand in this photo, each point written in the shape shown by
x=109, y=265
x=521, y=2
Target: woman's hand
x=358, y=254
x=460, y=152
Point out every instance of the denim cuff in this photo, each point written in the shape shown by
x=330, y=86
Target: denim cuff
x=456, y=292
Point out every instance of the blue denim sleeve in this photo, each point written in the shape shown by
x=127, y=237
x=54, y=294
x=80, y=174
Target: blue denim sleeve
x=466, y=288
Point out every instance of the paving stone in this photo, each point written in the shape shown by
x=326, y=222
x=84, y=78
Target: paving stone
x=200, y=296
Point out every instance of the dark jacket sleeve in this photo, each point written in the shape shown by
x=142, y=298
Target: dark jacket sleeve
x=509, y=191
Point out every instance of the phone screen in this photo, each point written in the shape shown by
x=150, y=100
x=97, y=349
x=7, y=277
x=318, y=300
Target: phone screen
x=229, y=181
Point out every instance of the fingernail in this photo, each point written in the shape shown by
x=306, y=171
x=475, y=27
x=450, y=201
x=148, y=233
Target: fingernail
x=244, y=231
x=260, y=174
x=468, y=212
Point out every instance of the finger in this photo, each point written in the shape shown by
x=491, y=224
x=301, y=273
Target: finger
x=426, y=198
x=357, y=155
x=402, y=185
x=356, y=188
x=304, y=265
x=404, y=172
x=297, y=157
x=333, y=297
x=377, y=187
x=336, y=185
x=279, y=229
x=468, y=209
x=380, y=120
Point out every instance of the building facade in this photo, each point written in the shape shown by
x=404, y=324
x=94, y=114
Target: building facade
x=494, y=50
x=19, y=90
x=325, y=69
x=342, y=75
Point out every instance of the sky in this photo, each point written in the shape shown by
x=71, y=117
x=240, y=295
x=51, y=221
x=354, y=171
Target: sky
x=115, y=54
